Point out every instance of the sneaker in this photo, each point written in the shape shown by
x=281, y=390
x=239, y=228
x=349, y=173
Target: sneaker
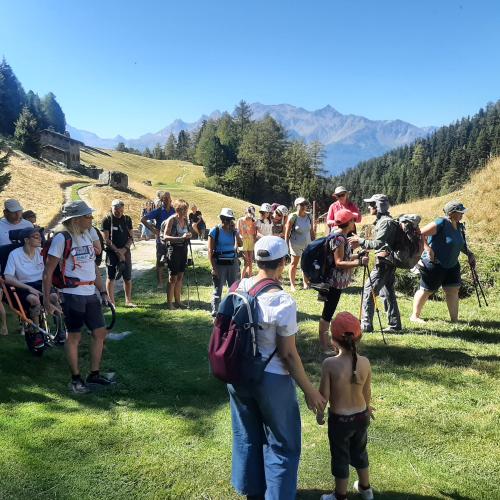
x=98, y=380
x=320, y=287
x=328, y=496
x=78, y=386
x=392, y=329
x=365, y=494
x=38, y=342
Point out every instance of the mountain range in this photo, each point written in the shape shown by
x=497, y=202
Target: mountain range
x=348, y=139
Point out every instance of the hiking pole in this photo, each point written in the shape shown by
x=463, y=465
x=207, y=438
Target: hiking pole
x=362, y=293
x=187, y=282
x=194, y=272
x=375, y=303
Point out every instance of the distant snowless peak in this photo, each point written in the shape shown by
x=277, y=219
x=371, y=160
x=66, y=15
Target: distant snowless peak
x=348, y=139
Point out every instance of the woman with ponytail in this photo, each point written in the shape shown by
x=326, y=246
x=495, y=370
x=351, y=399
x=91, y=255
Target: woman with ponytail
x=346, y=384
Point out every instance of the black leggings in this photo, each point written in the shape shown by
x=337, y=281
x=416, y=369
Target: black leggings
x=332, y=300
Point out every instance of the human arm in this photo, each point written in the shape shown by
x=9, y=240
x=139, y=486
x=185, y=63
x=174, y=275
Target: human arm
x=324, y=389
x=288, y=353
x=12, y=281
x=367, y=390
x=288, y=228
x=50, y=265
x=430, y=229
x=211, y=253
x=340, y=263
x=154, y=214
x=312, y=231
x=384, y=236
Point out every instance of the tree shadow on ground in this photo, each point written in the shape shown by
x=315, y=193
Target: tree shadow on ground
x=469, y=334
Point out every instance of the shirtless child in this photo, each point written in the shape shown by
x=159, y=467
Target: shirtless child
x=346, y=383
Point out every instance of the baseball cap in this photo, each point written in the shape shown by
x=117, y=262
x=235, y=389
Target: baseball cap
x=12, y=205
x=344, y=325
x=265, y=207
x=454, y=206
x=270, y=248
x=299, y=201
x=343, y=216
x=376, y=197
x=75, y=209
x=117, y=203
x=340, y=189
x=226, y=212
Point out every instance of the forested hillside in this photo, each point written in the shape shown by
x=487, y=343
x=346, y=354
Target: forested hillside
x=434, y=166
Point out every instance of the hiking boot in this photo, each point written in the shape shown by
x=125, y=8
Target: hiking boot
x=78, y=386
x=392, y=329
x=365, y=494
x=366, y=329
x=98, y=379
x=320, y=287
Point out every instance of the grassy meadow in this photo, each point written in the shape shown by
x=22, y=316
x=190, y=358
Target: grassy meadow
x=164, y=431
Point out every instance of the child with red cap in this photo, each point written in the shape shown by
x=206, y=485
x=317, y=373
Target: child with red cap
x=346, y=383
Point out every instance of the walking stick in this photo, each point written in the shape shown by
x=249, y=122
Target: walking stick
x=362, y=293
x=194, y=272
x=475, y=277
x=375, y=304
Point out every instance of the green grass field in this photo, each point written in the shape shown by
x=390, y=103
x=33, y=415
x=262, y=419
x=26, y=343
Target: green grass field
x=164, y=431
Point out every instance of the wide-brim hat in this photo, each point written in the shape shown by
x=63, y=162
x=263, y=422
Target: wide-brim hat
x=340, y=189
x=75, y=209
x=227, y=213
x=454, y=206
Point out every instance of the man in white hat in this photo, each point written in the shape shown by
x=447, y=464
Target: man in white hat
x=223, y=242
x=117, y=231
x=342, y=202
x=12, y=219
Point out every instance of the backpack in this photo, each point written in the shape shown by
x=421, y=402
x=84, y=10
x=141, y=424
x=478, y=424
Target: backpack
x=233, y=351
x=59, y=279
x=220, y=255
x=315, y=262
x=408, y=243
x=98, y=258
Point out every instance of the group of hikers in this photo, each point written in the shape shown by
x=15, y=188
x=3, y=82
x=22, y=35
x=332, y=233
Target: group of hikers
x=265, y=416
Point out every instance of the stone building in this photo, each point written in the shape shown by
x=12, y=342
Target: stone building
x=115, y=179
x=60, y=148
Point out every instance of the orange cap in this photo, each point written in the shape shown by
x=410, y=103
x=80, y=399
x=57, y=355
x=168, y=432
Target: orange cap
x=344, y=323
x=343, y=216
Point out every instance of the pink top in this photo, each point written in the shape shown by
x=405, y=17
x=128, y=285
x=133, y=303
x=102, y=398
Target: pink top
x=336, y=206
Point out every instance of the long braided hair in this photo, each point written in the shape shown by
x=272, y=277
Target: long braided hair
x=349, y=343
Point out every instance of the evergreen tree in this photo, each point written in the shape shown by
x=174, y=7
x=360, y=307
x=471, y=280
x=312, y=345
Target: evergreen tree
x=12, y=98
x=242, y=118
x=26, y=133
x=158, y=153
x=121, y=147
x=53, y=113
x=35, y=106
x=183, y=145
x=209, y=151
x=171, y=148
x=147, y=153
x=4, y=161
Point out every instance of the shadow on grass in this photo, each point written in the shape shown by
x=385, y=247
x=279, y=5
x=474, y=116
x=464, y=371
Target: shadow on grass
x=469, y=334
x=314, y=494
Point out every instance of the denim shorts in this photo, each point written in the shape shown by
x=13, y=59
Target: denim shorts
x=82, y=310
x=432, y=276
x=348, y=437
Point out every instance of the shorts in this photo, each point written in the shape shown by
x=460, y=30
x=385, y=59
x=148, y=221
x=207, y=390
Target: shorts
x=112, y=264
x=432, y=276
x=348, y=437
x=248, y=245
x=22, y=293
x=161, y=250
x=332, y=300
x=82, y=310
x=177, y=258
x=297, y=250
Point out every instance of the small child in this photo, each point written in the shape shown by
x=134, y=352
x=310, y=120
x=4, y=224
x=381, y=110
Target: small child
x=346, y=383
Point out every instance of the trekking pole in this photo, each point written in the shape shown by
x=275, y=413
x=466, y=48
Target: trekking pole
x=194, y=272
x=187, y=282
x=362, y=293
x=375, y=303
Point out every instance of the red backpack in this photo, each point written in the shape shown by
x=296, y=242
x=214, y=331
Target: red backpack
x=59, y=278
x=233, y=350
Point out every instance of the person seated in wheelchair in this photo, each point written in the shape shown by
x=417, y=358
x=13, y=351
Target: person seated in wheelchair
x=24, y=271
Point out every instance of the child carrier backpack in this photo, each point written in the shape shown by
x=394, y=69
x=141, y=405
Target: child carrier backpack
x=408, y=243
x=59, y=278
x=233, y=351
x=315, y=261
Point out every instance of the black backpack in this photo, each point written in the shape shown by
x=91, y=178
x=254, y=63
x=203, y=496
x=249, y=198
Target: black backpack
x=408, y=243
x=316, y=260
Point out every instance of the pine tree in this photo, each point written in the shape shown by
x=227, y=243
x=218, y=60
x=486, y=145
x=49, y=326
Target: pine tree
x=183, y=145
x=242, y=117
x=12, y=98
x=26, y=133
x=4, y=161
x=35, y=106
x=121, y=147
x=171, y=148
x=158, y=152
x=147, y=153
x=53, y=113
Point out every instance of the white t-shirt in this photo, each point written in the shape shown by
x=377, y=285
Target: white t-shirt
x=264, y=227
x=277, y=316
x=81, y=262
x=6, y=226
x=22, y=267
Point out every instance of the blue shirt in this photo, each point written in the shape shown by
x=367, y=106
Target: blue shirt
x=225, y=248
x=447, y=243
x=160, y=214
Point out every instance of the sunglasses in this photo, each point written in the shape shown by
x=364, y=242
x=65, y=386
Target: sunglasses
x=372, y=204
x=340, y=195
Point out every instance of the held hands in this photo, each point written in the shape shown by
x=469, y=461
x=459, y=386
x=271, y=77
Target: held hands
x=353, y=241
x=315, y=401
x=371, y=410
x=364, y=260
x=187, y=236
x=320, y=417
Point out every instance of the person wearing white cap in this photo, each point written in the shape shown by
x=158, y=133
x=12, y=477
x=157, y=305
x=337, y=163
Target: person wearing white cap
x=12, y=219
x=265, y=417
x=223, y=241
x=117, y=230
x=80, y=304
x=299, y=232
x=264, y=223
x=342, y=202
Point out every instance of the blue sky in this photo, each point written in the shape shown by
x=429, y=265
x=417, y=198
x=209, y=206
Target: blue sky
x=129, y=67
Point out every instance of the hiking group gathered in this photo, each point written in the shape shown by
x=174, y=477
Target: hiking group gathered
x=253, y=342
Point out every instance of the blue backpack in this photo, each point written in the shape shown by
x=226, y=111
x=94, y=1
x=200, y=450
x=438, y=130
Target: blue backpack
x=316, y=261
x=233, y=350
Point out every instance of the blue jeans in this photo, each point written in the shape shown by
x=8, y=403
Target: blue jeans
x=266, y=437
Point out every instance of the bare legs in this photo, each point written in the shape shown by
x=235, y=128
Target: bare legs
x=452, y=302
x=174, y=290
x=292, y=272
x=247, y=269
x=421, y=297
x=96, y=348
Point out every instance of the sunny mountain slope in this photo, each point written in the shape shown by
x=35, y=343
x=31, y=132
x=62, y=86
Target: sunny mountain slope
x=175, y=176
x=38, y=188
x=481, y=196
